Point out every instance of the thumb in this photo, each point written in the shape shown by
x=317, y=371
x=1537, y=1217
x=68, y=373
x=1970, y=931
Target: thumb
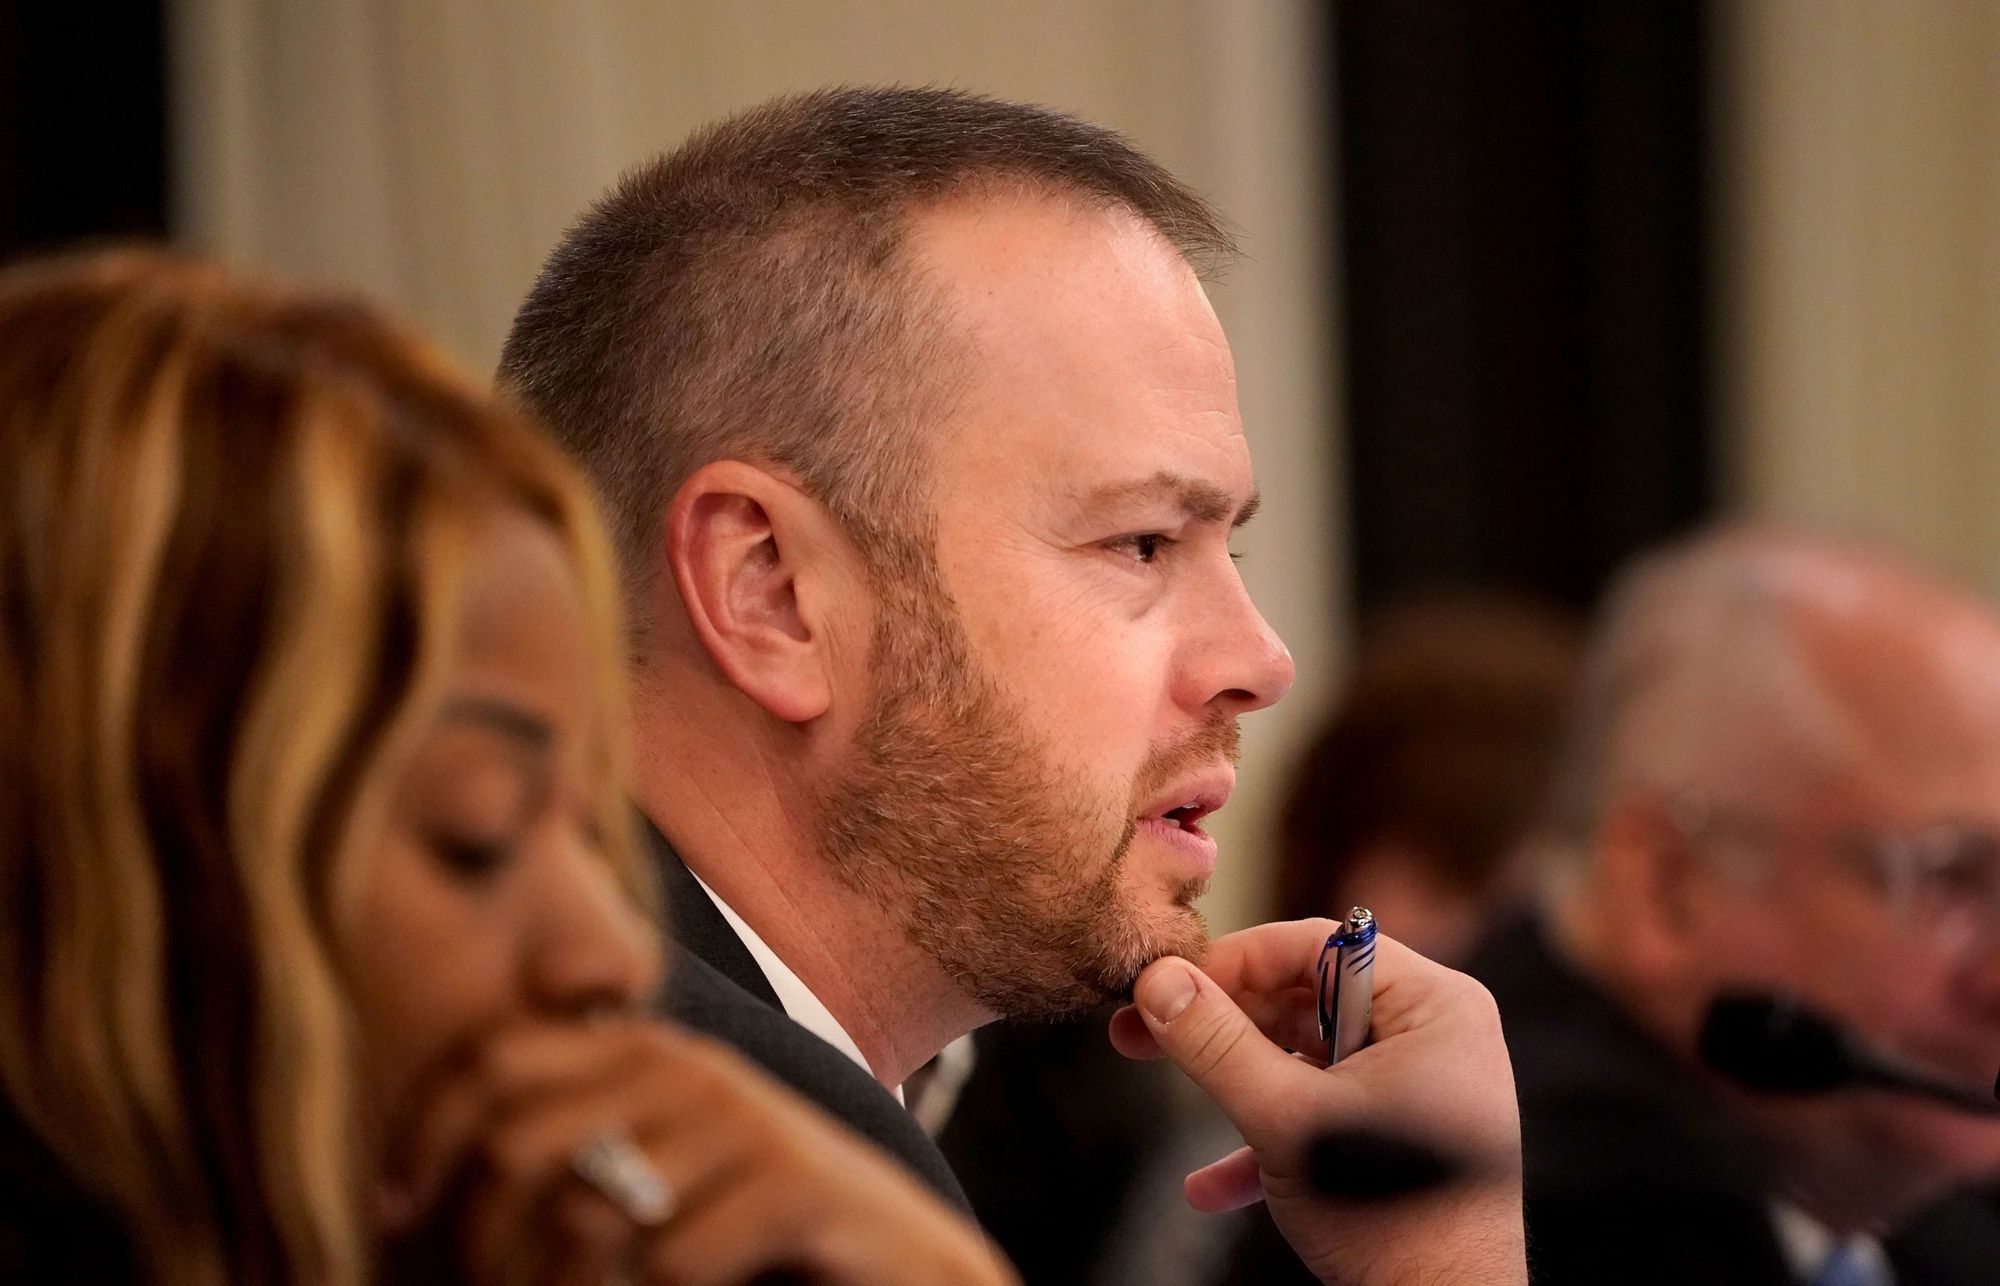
x=1211, y=1040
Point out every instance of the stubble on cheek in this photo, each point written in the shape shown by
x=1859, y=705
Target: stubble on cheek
x=1012, y=870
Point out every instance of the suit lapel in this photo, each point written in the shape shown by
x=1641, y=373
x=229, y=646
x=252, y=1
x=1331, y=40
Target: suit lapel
x=715, y=986
x=697, y=925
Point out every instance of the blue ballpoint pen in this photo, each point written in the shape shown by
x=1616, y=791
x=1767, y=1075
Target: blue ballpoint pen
x=1347, y=985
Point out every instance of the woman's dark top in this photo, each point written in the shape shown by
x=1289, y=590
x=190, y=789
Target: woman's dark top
x=50, y=1229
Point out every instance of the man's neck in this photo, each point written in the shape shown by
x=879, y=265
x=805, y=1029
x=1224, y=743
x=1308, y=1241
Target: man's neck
x=1589, y=940
x=750, y=839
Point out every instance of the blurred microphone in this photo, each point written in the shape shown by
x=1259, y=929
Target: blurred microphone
x=1774, y=1045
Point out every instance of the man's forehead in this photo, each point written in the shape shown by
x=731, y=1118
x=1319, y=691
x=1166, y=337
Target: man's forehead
x=994, y=250
x=1086, y=342
x=1093, y=371
x=1904, y=752
x=1910, y=675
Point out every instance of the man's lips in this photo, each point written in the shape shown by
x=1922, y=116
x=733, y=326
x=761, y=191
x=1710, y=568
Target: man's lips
x=1190, y=799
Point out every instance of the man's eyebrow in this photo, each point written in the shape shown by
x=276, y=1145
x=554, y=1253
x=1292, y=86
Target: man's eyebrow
x=530, y=729
x=1199, y=500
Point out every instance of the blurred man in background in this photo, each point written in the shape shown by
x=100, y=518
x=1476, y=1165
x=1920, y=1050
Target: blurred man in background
x=1785, y=775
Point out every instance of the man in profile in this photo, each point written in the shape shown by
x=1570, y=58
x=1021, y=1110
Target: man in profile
x=920, y=442
x=1785, y=776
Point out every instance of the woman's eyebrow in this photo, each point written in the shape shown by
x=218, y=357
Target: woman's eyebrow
x=525, y=726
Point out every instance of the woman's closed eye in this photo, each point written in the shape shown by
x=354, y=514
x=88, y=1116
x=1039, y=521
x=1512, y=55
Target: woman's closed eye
x=474, y=793
x=470, y=854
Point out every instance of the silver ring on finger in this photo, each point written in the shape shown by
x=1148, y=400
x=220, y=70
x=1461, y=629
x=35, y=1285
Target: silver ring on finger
x=611, y=1163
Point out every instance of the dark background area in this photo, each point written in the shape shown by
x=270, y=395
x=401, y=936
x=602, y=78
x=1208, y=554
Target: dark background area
x=83, y=123
x=1522, y=226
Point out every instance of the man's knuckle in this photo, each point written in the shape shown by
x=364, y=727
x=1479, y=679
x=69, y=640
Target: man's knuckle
x=1473, y=994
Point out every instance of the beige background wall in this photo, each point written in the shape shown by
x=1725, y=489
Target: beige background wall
x=1859, y=239
x=431, y=151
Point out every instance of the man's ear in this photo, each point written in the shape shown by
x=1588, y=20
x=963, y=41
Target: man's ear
x=744, y=545
x=1658, y=883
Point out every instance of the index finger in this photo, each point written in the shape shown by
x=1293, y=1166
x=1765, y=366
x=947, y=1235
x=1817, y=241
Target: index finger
x=486, y=1079
x=1273, y=959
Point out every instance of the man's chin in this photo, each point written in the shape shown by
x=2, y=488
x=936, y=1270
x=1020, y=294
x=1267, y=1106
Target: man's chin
x=1175, y=930
x=1878, y=1159
x=1121, y=957
x=1188, y=928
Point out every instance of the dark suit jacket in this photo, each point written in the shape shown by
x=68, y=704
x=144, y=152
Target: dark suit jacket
x=715, y=986
x=1634, y=1174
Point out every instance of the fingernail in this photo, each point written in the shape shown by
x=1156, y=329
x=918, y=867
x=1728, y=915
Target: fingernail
x=1165, y=992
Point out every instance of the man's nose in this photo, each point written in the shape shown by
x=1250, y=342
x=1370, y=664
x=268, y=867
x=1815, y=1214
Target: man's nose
x=1239, y=663
x=593, y=950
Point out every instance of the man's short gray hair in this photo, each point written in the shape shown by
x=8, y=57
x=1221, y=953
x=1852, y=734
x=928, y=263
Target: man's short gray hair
x=1696, y=682
x=746, y=296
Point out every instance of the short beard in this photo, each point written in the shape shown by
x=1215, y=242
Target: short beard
x=1003, y=869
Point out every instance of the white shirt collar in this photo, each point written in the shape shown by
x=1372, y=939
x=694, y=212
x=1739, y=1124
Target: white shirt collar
x=800, y=1005
x=1808, y=1244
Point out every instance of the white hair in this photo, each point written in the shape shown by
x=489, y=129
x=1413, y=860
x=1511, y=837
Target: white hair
x=1697, y=683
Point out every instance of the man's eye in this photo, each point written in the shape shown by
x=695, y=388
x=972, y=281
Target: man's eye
x=1145, y=547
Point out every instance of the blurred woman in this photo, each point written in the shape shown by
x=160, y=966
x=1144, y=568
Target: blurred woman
x=323, y=938
x=1417, y=797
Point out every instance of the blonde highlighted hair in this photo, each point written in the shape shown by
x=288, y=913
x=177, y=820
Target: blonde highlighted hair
x=234, y=524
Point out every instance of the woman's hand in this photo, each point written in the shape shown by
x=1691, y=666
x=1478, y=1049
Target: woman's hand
x=760, y=1181
x=1437, y=1074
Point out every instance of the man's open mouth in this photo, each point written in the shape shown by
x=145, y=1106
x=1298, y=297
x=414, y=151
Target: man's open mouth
x=1187, y=815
